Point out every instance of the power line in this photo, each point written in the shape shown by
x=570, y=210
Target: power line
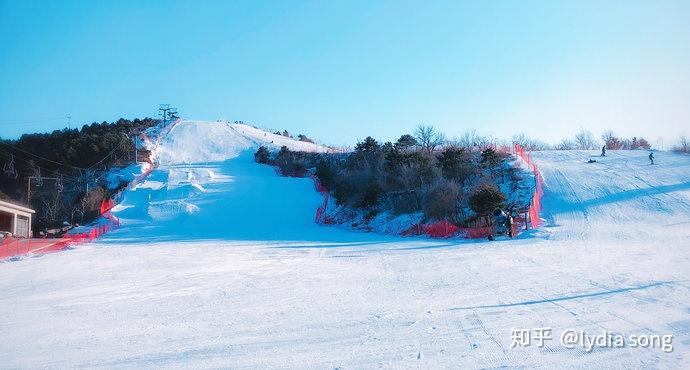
x=90, y=168
x=28, y=162
x=81, y=180
x=43, y=158
x=64, y=164
x=104, y=158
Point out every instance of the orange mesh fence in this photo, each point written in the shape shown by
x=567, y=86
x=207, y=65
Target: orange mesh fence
x=535, y=203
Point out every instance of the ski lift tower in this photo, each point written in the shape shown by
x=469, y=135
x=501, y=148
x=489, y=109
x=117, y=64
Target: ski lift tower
x=167, y=113
x=164, y=110
x=173, y=114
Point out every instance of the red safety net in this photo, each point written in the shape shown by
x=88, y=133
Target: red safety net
x=445, y=229
x=10, y=247
x=535, y=204
x=107, y=205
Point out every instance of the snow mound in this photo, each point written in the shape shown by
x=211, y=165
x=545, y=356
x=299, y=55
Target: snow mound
x=204, y=142
x=261, y=137
x=199, y=142
x=170, y=209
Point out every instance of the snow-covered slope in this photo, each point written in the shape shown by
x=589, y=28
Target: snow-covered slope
x=208, y=186
x=219, y=264
x=621, y=195
x=199, y=142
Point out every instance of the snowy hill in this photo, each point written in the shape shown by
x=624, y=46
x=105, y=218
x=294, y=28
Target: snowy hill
x=620, y=195
x=198, y=142
x=219, y=264
x=209, y=187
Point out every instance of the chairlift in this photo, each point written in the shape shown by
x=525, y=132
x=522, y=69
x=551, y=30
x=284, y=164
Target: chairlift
x=58, y=184
x=9, y=169
x=37, y=178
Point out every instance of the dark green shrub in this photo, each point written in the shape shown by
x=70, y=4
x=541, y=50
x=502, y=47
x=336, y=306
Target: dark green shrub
x=485, y=199
x=262, y=155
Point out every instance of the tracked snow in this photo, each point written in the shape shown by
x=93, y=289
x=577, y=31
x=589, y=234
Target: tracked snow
x=219, y=264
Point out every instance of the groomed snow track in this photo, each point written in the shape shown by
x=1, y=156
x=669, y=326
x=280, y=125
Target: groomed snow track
x=219, y=264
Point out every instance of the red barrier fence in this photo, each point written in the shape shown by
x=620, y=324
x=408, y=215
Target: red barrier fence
x=10, y=247
x=535, y=204
x=445, y=229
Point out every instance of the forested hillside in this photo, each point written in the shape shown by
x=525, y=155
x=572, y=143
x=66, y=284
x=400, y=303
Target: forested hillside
x=66, y=170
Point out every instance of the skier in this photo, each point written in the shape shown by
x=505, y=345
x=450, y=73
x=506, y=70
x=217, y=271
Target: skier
x=603, y=151
x=509, y=224
x=651, y=157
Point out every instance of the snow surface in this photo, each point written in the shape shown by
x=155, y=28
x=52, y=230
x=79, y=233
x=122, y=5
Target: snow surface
x=219, y=264
x=197, y=142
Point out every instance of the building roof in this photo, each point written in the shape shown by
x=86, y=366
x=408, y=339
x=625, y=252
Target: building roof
x=15, y=207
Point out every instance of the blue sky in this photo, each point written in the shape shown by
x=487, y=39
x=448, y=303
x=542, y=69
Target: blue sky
x=341, y=70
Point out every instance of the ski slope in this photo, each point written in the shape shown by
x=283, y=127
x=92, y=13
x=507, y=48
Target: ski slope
x=620, y=195
x=208, y=187
x=219, y=264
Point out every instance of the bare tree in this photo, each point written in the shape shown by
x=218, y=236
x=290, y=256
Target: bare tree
x=471, y=140
x=585, y=140
x=612, y=141
x=683, y=145
x=429, y=138
x=529, y=143
x=566, y=144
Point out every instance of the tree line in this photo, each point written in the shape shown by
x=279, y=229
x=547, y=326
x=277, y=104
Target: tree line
x=67, y=169
x=421, y=172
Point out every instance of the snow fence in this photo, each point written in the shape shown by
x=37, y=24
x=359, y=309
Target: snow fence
x=535, y=209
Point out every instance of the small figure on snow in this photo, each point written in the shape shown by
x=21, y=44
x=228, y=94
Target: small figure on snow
x=591, y=161
x=651, y=157
x=500, y=220
x=603, y=151
x=509, y=224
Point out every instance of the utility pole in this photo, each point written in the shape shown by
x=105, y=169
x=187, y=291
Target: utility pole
x=69, y=121
x=136, y=153
x=28, y=185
